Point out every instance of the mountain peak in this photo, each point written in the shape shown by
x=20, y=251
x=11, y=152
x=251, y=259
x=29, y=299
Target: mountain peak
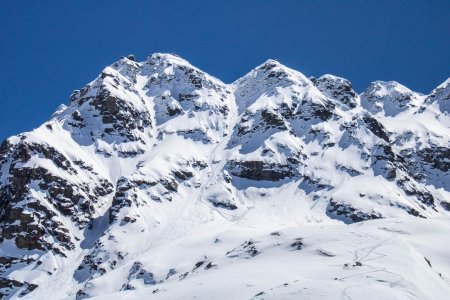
x=441, y=95
x=164, y=62
x=273, y=68
x=167, y=59
x=444, y=84
x=337, y=88
x=382, y=88
x=269, y=64
x=271, y=73
x=390, y=97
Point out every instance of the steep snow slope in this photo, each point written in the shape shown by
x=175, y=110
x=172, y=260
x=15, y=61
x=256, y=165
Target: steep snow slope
x=161, y=179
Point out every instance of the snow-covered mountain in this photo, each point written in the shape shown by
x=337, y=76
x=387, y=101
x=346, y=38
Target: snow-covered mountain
x=160, y=181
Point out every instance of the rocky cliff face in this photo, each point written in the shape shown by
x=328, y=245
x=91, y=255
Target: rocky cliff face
x=149, y=151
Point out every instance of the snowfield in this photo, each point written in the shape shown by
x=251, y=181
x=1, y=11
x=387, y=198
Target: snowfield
x=159, y=181
x=392, y=258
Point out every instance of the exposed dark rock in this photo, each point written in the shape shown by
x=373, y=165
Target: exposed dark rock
x=245, y=250
x=183, y=175
x=210, y=265
x=350, y=213
x=198, y=265
x=171, y=273
x=437, y=157
x=297, y=244
x=411, y=189
x=258, y=170
x=30, y=224
x=376, y=128
x=337, y=88
x=308, y=110
x=230, y=206
x=445, y=205
x=266, y=118
x=10, y=286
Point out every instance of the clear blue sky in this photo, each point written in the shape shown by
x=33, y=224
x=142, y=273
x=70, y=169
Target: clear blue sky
x=49, y=48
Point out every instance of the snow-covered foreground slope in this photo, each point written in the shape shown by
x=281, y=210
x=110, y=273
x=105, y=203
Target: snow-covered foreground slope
x=158, y=180
x=391, y=258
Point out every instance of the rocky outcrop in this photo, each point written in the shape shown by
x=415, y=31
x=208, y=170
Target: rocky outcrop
x=350, y=214
x=337, y=88
x=259, y=170
x=32, y=223
x=441, y=96
x=111, y=109
x=391, y=98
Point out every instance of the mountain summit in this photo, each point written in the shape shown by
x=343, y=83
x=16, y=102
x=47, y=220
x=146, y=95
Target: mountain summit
x=157, y=180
